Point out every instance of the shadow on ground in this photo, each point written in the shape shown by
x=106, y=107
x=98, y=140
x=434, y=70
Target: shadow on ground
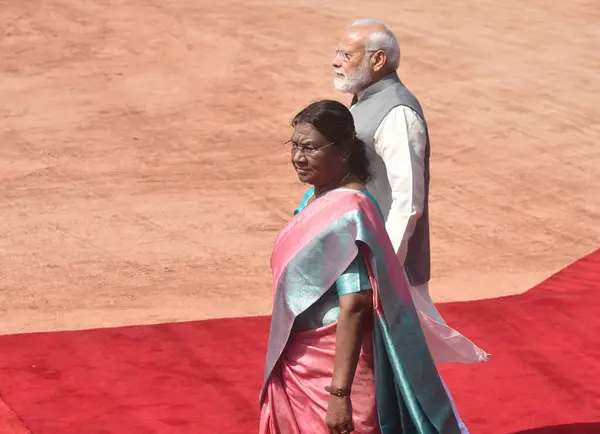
x=575, y=428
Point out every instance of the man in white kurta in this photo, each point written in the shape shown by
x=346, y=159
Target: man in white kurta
x=368, y=53
x=390, y=121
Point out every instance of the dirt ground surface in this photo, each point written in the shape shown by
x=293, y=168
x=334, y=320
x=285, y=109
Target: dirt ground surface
x=142, y=172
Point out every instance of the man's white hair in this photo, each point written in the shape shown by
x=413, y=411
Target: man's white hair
x=381, y=40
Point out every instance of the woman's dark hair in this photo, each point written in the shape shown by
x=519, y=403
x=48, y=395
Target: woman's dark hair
x=334, y=121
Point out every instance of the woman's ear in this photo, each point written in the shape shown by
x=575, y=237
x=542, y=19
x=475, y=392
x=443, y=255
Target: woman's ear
x=348, y=152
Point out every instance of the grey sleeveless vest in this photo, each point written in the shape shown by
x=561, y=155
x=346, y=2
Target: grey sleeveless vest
x=368, y=112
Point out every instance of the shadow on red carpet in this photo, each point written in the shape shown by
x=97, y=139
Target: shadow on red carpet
x=575, y=428
x=9, y=421
x=204, y=377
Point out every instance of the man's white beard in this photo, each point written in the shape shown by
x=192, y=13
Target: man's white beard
x=354, y=83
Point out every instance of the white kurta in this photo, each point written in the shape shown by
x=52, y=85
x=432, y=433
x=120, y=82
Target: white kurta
x=400, y=141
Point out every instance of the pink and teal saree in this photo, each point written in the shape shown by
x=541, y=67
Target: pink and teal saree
x=397, y=388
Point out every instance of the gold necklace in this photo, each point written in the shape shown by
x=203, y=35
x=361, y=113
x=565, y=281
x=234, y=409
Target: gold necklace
x=333, y=188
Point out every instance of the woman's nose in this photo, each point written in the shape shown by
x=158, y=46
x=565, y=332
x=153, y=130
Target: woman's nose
x=298, y=156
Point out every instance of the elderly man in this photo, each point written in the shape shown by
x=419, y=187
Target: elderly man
x=390, y=120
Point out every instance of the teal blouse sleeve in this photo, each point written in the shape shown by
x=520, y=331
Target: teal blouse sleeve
x=305, y=198
x=355, y=278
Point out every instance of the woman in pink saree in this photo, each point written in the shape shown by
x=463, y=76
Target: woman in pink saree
x=348, y=351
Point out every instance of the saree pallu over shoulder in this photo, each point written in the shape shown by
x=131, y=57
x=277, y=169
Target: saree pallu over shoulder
x=309, y=254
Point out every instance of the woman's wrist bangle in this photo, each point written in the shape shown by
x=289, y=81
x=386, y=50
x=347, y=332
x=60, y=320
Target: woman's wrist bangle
x=337, y=392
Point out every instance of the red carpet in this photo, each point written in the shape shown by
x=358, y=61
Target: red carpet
x=204, y=377
x=9, y=422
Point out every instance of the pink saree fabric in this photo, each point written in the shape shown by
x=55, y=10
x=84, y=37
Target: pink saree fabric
x=299, y=366
x=296, y=400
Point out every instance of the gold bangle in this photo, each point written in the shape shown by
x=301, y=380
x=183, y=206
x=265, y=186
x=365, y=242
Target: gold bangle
x=337, y=392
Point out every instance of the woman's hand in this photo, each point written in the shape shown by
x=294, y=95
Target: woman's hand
x=355, y=309
x=339, y=415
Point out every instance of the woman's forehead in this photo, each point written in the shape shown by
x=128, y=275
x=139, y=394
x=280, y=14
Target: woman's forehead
x=307, y=133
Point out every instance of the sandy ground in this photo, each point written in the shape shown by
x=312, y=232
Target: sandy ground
x=142, y=176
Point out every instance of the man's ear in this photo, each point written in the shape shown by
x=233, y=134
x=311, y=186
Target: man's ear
x=378, y=60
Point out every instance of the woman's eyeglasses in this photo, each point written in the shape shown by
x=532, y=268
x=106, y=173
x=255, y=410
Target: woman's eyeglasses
x=306, y=150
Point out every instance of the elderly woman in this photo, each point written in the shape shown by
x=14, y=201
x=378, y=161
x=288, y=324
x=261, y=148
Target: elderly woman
x=346, y=350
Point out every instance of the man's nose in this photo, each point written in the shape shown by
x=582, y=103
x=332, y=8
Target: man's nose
x=336, y=62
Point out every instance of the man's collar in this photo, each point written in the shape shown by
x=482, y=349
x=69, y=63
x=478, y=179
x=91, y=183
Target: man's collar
x=377, y=87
